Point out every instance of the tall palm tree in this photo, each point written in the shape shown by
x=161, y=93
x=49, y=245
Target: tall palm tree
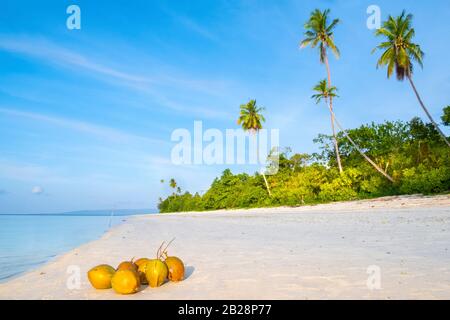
x=399, y=53
x=325, y=92
x=319, y=33
x=251, y=119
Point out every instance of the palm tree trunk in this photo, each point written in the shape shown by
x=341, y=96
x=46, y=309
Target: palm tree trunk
x=336, y=146
x=267, y=185
x=362, y=153
x=426, y=111
x=257, y=157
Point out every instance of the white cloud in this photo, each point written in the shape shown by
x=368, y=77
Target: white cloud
x=81, y=126
x=37, y=190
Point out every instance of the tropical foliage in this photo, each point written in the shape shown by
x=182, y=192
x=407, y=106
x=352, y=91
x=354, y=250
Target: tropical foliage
x=411, y=152
x=323, y=91
x=320, y=34
x=250, y=117
x=446, y=116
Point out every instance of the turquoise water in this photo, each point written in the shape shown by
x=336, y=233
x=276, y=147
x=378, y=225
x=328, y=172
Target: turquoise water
x=27, y=241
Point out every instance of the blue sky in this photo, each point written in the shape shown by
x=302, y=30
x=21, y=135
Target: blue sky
x=86, y=115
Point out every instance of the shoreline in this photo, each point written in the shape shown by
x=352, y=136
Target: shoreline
x=321, y=251
x=394, y=202
x=70, y=232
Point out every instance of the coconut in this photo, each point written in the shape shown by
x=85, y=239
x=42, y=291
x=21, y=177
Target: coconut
x=100, y=276
x=141, y=265
x=156, y=272
x=125, y=281
x=176, y=268
x=127, y=265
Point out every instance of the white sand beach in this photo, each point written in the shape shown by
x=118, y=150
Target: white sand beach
x=311, y=252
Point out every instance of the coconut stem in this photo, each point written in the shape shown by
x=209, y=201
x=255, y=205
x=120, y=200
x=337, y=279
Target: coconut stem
x=165, y=249
x=159, y=250
x=163, y=252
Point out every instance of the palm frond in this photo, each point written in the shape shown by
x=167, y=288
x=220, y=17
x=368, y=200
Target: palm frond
x=323, y=91
x=399, y=50
x=318, y=32
x=332, y=25
x=251, y=118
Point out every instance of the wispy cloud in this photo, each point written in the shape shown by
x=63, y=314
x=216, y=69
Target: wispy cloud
x=154, y=86
x=208, y=112
x=54, y=54
x=37, y=190
x=82, y=126
x=26, y=172
x=190, y=24
x=195, y=27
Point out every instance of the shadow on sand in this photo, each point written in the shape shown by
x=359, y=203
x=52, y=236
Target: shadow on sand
x=188, y=271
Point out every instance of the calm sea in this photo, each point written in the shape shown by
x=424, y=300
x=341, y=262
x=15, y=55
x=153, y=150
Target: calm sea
x=27, y=241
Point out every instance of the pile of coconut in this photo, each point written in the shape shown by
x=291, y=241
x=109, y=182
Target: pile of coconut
x=129, y=275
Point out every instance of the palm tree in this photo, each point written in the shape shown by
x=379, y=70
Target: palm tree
x=325, y=92
x=251, y=119
x=320, y=34
x=173, y=183
x=400, y=53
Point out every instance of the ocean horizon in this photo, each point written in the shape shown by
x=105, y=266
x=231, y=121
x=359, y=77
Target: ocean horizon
x=30, y=240
x=103, y=212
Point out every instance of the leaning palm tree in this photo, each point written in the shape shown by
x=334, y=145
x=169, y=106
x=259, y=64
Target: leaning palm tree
x=399, y=53
x=325, y=92
x=320, y=34
x=251, y=119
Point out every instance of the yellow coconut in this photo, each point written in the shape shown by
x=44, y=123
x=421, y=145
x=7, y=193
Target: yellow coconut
x=141, y=261
x=100, y=276
x=176, y=268
x=156, y=272
x=142, y=267
x=125, y=281
x=127, y=265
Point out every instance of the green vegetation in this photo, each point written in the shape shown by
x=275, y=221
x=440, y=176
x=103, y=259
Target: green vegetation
x=411, y=152
x=373, y=160
x=446, y=116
